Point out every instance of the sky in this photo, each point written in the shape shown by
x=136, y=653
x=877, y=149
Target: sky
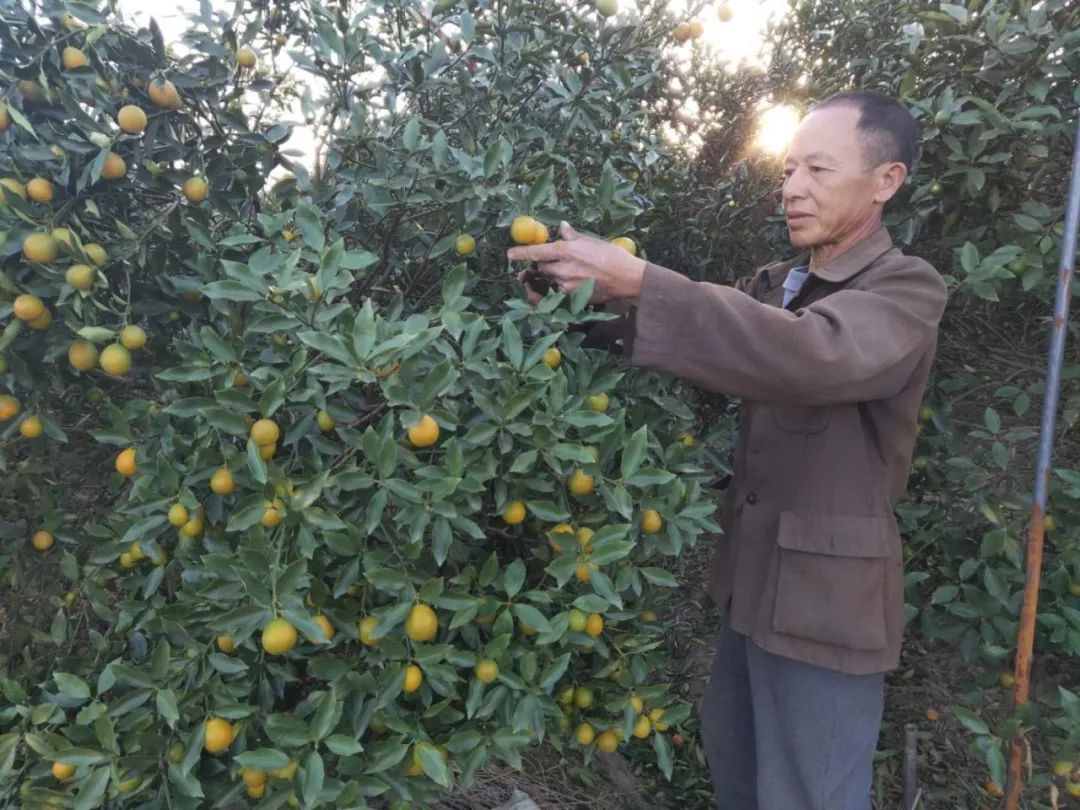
x=729, y=42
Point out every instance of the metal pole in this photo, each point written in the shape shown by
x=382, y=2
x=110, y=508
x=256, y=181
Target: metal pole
x=911, y=779
x=1025, y=637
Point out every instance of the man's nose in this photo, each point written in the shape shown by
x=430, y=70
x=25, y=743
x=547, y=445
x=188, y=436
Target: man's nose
x=794, y=187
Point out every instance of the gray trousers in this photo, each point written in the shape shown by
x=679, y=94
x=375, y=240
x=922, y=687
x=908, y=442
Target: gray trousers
x=783, y=735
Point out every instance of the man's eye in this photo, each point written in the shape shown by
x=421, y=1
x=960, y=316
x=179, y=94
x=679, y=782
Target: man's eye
x=816, y=169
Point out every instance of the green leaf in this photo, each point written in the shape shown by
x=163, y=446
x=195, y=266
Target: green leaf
x=658, y=576
x=92, y=790
x=263, y=759
x=410, y=138
x=634, y=452
x=663, y=754
x=309, y=221
x=431, y=761
x=531, y=617
x=166, y=706
x=514, y=578
x=72, y=686
x=311, y=777
x=971, y=721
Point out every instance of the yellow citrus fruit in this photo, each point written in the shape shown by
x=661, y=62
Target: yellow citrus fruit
x=1074, y=587
x=696, y=29
x=133, y=337
x=252, y=777
x=540, y=233
x=64, y=236
x=80, y=276
x=580, y=483
x=688, y=440
x=226, y=644
x=413, y=678
x=584, y=536
x=272, y=517
x=327, y=628
x=649, y=616
x=288, y=234
x=526, y=630
x=552, y=357
x=681, y=32
x=1073, y=789
x=221, y=482
x=219, y=735
x=62, y=771
x=626, y=243
x=514, y=513
x=114, y=167
x=594, y=625
x=96, y=254
x=487, y=670
x=163, y=93
x=40, y=190
x=256, y=791
x=42, y=321
x=195, y=189
x=642, y=727
x=40, y=248
x=606, y=8
x=116, y=359
x=1007, y=680
x=9, y=407
x=266, y=452
x=599, y=403
x=366, y=627
x=583, y=572
x=1049, y=524
x=28, y=307
x=126, y=560
x=464, y=245
x=584, y=735
x=178, y=514
x=246, y=58
x=278, y=637
x=577, y=621
x=264, y=432
x=994, y=789
x=125, y=462
x=637, y=703
x=31, y=90
x=422, y=624
x=42, y=540
x=651, y=522
x=724, y=12
x=131, y=119
x=523, y=229
x=607, y=742
x=584, y=697
x=73, y=58
x=194, y=527
x=325, y=421
x=286, y=771
x=31, y=427
x=425, y=432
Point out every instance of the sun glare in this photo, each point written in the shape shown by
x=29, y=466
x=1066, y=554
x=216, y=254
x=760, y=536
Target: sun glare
x=775, y=128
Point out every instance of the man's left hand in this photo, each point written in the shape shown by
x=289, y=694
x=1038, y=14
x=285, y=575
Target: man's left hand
x=576, y=258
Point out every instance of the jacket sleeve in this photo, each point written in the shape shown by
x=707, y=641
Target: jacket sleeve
x=854, y=345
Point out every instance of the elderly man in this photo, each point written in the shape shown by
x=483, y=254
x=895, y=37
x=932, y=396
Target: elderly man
x=830, y=354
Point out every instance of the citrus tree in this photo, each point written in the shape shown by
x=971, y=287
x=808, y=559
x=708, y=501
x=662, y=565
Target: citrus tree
x=298, y=502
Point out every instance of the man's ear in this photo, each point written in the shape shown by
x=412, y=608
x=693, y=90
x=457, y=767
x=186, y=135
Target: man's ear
x=890, y=179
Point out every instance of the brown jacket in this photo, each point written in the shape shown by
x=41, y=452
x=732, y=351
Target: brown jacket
x=810, y=559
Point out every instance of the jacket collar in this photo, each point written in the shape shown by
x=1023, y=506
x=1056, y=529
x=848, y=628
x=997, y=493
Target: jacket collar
x=853, y=260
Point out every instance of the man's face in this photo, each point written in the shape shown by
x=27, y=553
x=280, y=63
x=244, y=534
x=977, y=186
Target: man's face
x=829, y=193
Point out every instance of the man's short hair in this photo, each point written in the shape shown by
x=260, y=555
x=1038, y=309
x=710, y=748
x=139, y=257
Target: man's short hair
x=887, y=130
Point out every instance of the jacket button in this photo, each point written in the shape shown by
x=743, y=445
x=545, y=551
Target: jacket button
x=751, y=498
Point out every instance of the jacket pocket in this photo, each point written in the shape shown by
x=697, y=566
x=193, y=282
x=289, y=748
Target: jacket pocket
x=831, y=580
x=802, y=418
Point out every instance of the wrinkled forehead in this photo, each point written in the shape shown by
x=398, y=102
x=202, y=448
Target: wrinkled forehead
x=831, y=133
